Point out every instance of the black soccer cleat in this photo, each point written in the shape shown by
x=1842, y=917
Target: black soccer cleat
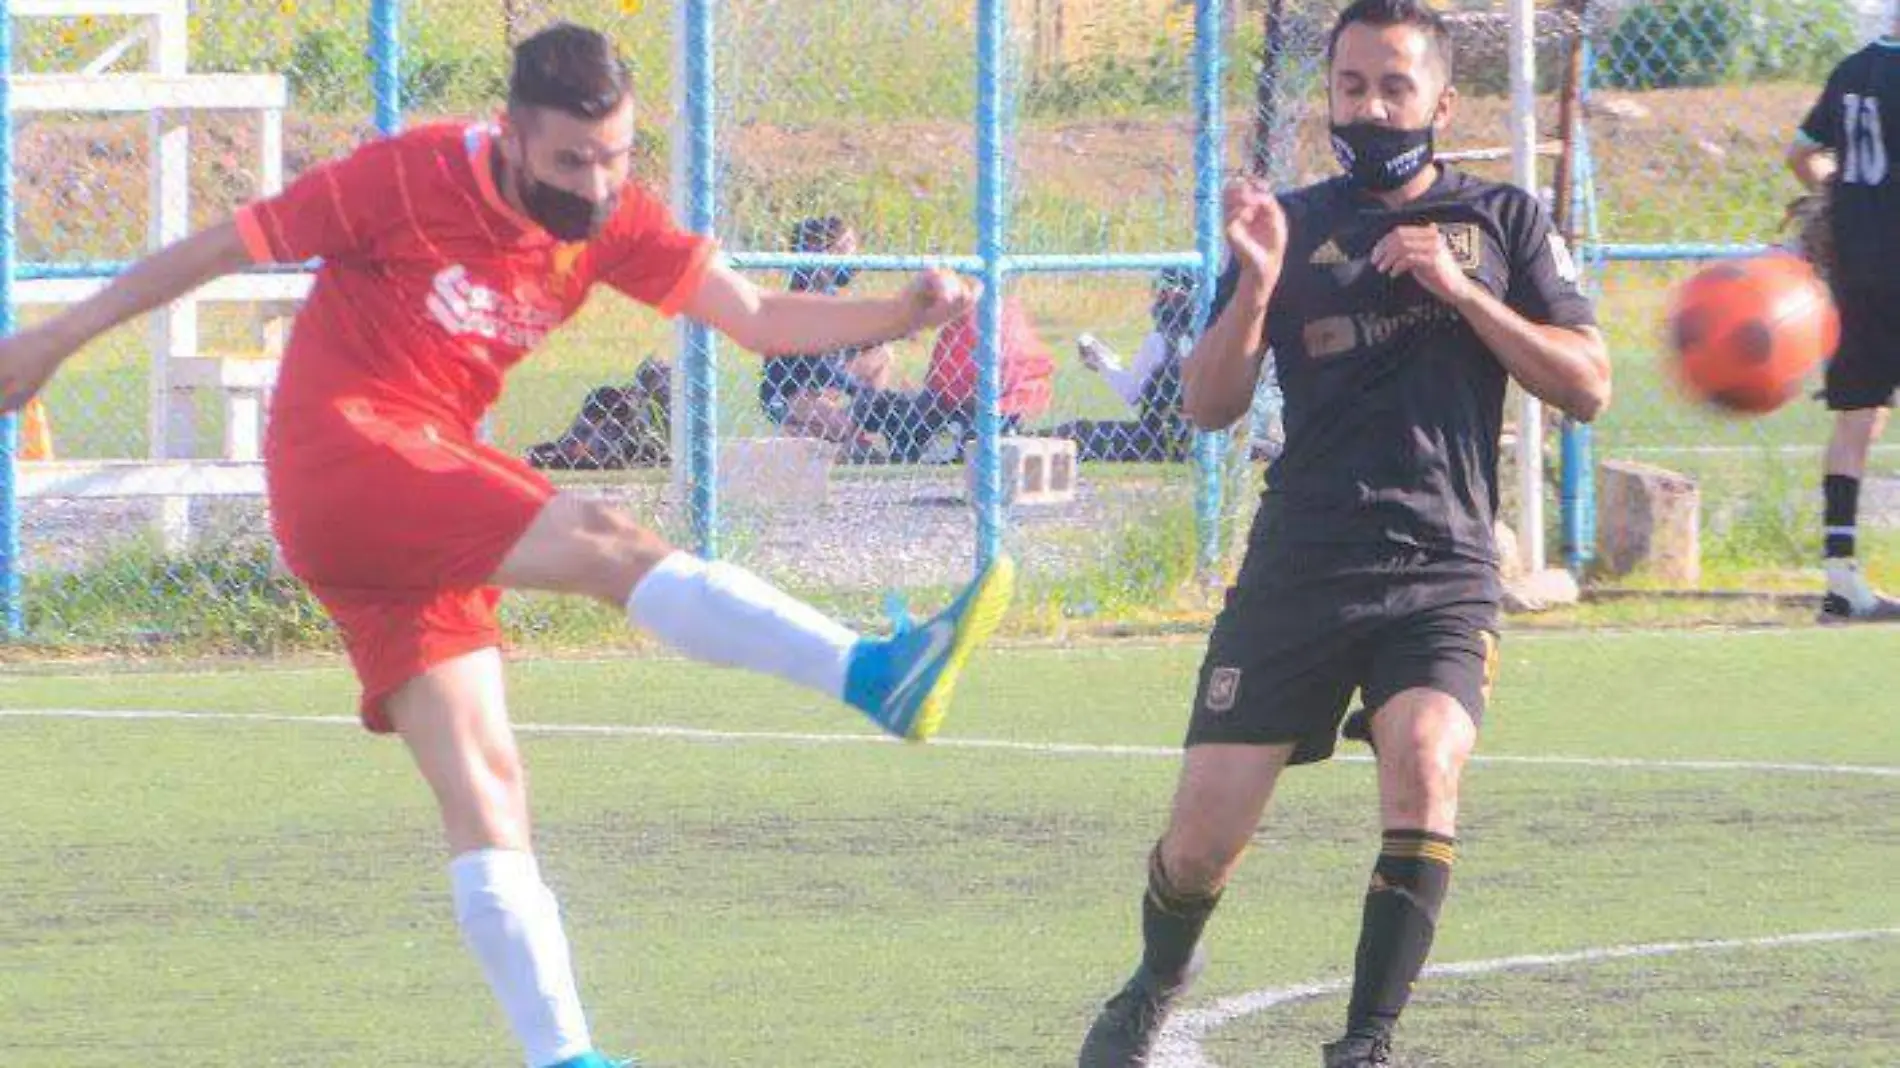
x=1357, y=1053
x=1124, y=1033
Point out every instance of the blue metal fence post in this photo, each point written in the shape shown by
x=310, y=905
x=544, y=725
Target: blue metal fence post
x=992, y=220
x=701, y=355
x=1210, y=449
x=385, y=56
x=1578, y=496
x=12, y=611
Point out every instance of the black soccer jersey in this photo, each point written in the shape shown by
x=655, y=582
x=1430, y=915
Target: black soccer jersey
x=1858, y=118
x=1393, y=406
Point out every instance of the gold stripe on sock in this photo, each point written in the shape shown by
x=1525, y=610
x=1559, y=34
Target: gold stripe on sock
x=1422, y=849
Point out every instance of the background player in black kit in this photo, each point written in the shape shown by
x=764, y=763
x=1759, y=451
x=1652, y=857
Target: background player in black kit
x=1850, y=145
x=1397, y=300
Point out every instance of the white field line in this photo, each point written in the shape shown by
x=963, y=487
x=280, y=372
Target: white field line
x=1083, y=749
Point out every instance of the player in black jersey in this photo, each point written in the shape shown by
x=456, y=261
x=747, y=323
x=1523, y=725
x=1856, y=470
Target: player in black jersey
x=1850, y=146
x=1397, y=299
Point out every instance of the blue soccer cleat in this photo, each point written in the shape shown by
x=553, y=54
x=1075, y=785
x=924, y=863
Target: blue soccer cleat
x=904, y=682
x=595, y=1060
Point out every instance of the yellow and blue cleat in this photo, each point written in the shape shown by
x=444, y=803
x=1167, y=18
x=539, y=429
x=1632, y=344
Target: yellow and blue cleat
x=904, y=682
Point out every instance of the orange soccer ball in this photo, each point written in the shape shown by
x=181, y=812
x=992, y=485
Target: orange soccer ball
x=1746, y=333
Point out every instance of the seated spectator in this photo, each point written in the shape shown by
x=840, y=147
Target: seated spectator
x=1151, y=386
x=910, y=421
x=617, y=426
x=810, y=395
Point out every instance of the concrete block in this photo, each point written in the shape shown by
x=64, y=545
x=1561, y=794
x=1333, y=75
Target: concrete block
x=775, y=472
x=1649, y=519
x=1034, y=470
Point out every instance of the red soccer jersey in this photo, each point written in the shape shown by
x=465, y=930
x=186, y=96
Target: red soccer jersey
x=1028, y=369
x=432, y=287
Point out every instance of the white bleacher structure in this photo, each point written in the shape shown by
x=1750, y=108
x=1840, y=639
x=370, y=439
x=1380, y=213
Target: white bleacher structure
x=172, y=95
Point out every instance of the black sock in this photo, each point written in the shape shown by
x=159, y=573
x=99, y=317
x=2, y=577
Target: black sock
x=1408, y=886
x=1171, y=924
x=1842, y=494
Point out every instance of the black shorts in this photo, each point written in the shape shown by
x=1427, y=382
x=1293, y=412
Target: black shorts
x=1306, y=627
x=1866, y=369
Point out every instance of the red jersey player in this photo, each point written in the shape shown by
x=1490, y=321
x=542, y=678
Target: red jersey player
x=447, y=254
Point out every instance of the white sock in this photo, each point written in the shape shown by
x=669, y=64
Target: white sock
x=727, y=615
x=512, y=923
x=1844, y=578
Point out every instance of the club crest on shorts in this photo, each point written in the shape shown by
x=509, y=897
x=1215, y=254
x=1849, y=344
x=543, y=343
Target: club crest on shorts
x=1223, y=689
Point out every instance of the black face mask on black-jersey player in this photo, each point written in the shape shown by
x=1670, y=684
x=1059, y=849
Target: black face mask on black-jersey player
x=1378, y=158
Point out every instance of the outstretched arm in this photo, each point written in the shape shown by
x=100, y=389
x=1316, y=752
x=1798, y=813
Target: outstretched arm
x=774, y=323
x=29, y=359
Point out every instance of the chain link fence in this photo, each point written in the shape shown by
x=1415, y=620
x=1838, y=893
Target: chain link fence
x=1683, y=112
x=842, y=155
x=131, y=128
x=840, y=130
x=1690, y=108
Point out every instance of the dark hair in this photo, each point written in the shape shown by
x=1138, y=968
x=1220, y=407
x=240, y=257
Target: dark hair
x=1414, y=13
x=570, y=69
x=1171, y=305
x=1183, y=280
x=817, y=234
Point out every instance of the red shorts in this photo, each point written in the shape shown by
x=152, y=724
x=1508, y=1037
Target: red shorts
x=396, y=522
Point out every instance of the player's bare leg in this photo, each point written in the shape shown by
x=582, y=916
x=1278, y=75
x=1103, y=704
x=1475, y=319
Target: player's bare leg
x=454, y=719
x=1849, y=597
x=1222, y=793
x=726, y=615
x=1423, y=739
